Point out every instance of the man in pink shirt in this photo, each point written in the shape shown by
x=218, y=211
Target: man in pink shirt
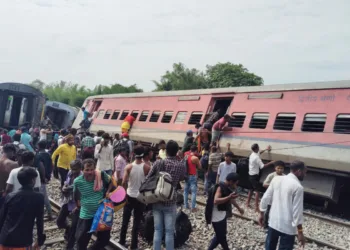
x=218, y=127
x=120, y=164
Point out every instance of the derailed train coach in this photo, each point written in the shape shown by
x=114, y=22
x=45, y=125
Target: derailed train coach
x=309, y=122
x=20, y=104
x=60, y=114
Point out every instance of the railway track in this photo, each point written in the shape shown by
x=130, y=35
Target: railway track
x=113, y=245
x=308, y=238
x=306, y=214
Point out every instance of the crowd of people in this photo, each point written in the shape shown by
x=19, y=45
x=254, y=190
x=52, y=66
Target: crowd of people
x=89, y=166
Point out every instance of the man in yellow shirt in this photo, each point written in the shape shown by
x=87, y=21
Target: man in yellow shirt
x=66, y=154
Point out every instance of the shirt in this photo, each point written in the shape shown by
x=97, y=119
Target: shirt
x=287, y=197
x=89, y=199
x=219, y=124
x=120, y=164
x=12, y=180
x=255, y=164
x=176, y=168
x=162, y=154
x=85, y=114
x=26, y=139
x=130, y=119
x=225, y=169
x=270, y=177
x=43, y=135
x=17, y=217
x=214, y=161
x=5, y=139
x=44, y=158
x=105, y=159
x=88, y=142
x=66, y=154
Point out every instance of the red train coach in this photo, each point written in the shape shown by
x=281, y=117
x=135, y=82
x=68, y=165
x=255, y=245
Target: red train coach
x=310, y=122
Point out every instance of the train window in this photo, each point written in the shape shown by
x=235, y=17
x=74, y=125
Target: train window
x=124, y=114
x=135, y=113
x=259, y=120
x=342, y=124
x=195, y=118
x=115, y=114
x=155, y=116
x=107, y=114
x=314, y=122
x=180, y=118
x=100, y=114
x=237, y=121
x=167, y=117
x=284, y=121
x=144, y=116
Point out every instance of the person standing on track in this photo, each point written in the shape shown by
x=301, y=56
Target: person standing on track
x=134, y=174
x=69, y=207
x=148, y=156
x=89, y=191
x=286, y=194
x=255, y=164
x=226, y=167
x=66, y=154
x=26, y=139
x=191, y=183
x=21, y=209
x=104, y=155
x=165, y=212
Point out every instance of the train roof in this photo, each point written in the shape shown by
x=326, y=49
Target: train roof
x=20, y=87
x=249, y=89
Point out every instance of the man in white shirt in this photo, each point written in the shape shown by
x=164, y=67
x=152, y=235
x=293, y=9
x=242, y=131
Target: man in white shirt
x=286, y=215
x=255, y=164
x=13, y=184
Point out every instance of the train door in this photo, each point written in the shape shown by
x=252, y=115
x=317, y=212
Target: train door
x=23, y=112
x=8, y=111
x=15, y=111
x=221, y=105
x=94, y=107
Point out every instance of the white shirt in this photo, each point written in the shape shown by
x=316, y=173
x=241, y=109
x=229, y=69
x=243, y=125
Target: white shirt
x=225, y=169
x=217, y=215
x=255, y=164
x=287, y=197
x=105, y=159
x=14, y=181
x=136, y=177
x=60, y=139
x=43, y=135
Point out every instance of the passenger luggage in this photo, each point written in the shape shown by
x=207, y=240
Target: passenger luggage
x=121, y=145
x=157, y=187
x=103, y=219
x=183, y=228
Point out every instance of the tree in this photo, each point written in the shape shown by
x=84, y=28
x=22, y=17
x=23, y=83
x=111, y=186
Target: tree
x=74, y=94
x=181, y=78
x=223, y=75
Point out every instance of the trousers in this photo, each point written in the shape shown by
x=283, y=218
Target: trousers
x=83, y=237
x=286, y=240
x=220, y=229
x=132, y=204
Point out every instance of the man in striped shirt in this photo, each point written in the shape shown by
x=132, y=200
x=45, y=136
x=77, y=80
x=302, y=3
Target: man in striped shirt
x=88, y=200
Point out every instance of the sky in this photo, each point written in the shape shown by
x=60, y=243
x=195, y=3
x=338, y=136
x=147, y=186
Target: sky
x=93, y=42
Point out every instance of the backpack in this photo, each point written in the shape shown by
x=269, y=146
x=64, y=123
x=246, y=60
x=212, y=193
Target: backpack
x=157, y=187
x=121, y=145
x=183, y=228
x=208, y=212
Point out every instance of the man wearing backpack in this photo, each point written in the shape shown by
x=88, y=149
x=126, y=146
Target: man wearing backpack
x=219, y=202
x=192, y=163
x=125, y=145
x=165, y=212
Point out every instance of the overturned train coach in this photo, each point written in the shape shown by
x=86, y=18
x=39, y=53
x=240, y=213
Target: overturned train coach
x=20, y=104
x=309, y=122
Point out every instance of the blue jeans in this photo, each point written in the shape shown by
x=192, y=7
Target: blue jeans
x=109, y=172
x=46, y=199
x=286, y=240
x=191, y=182
x=164, y=216
x=206, y=183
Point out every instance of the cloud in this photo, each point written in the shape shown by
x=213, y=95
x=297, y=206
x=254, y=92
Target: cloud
x=102, y=42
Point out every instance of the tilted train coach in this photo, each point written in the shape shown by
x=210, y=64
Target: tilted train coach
x=310, y=122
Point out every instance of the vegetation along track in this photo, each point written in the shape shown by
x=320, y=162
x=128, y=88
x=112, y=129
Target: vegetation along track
x=60, y=239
